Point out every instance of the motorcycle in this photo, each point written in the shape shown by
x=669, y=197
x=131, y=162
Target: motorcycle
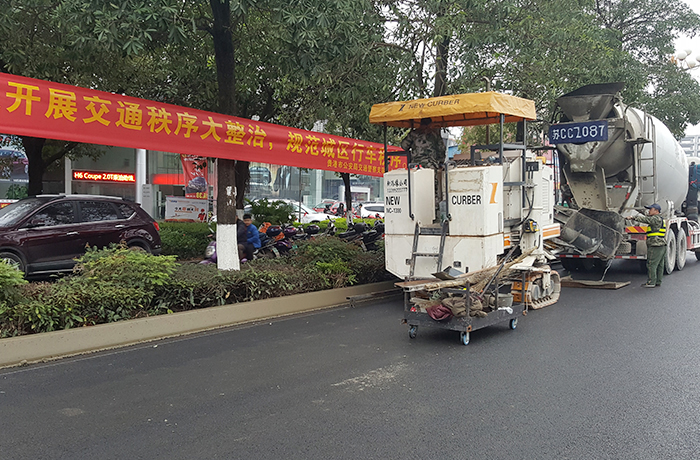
x=371, y=238
x=365, y=236
x=210, y=251
x=269, y=246
x=276, y=241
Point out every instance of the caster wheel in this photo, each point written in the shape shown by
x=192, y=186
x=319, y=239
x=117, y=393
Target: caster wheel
x=464, y=338
x=412, y=331
x=513, y=323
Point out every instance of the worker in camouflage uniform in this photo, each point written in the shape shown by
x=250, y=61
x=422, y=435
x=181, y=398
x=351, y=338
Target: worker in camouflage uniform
x=426, y=145
x=656, y=244
x=428, y=150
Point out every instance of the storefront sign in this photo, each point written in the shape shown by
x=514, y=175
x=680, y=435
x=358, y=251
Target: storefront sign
x=185, y=209
x=195, y=169
x=30, y=107
x=96, y=176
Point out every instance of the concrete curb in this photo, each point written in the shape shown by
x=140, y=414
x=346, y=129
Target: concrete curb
x=59, y=344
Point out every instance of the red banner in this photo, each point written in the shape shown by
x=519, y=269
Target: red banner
x=30, y=107
x=195, y=169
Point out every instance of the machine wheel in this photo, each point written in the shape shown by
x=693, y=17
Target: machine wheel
x=14, y=260
x=464, y=338
x=670, y=254
x=513, y=323
x=681, y=248
x=412, y=331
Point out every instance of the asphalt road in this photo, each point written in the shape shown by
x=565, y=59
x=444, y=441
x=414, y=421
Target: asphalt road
x=600, y=375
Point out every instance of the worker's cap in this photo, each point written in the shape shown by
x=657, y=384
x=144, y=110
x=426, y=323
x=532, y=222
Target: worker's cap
x=654, y=206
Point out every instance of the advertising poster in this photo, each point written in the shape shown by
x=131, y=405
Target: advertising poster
x=195, y=172
x=179, y=209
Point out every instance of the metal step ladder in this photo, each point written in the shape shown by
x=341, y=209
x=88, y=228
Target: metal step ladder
x=649, y=137
x=434, y=229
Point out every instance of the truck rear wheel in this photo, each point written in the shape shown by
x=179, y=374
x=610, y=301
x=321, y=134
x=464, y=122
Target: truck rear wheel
x=681, y=248
x=670, y=253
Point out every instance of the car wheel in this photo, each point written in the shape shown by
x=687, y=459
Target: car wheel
x=139, y=247
x=13, y=259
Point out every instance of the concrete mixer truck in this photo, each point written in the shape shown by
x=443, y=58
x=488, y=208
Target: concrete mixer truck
x=614, y=160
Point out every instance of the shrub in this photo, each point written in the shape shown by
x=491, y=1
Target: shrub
x=117, y=283
x=341, y=224
x=275, y=212
x=186, y=240
x=192, y=286
x=10, y=281
x=336, y=274
x=124, y=267
x=326, y=250
x=17, y=192
x=369, y=267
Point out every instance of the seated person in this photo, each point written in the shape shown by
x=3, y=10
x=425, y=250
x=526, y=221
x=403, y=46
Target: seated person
x=241, y=238
x=252, y=241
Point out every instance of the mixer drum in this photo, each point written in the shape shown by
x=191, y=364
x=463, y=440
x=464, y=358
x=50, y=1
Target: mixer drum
x=628, y=128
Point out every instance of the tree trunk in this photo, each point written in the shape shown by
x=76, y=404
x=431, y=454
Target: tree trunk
x=348, y=198
x=242, y=177
x=33, y=148
x=441, y=59
x=229, y=192
x=227, y=195
x=224, y=55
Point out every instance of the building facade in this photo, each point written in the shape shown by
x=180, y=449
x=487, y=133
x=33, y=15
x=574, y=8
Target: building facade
x=150, y=177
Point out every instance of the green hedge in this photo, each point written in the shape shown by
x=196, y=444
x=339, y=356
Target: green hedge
x=186, y=240
x=116, y=283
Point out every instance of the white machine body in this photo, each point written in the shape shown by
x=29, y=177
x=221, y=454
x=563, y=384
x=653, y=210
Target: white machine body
x=485, y=207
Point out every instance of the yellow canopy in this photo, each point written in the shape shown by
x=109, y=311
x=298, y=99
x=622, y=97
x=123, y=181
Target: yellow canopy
x=455, y=110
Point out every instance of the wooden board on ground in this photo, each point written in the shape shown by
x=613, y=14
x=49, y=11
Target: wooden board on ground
x=592, y=284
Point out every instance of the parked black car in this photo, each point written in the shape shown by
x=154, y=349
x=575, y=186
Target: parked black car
x=44, y=234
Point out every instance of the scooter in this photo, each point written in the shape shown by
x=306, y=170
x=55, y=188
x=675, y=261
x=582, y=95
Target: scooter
x=354, y=233
x=371, y=238
x=365, y=236
x=276, y=241
x=267, y=247
x=210, y=251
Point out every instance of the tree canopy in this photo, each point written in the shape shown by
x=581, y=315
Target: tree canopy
x=297, y=62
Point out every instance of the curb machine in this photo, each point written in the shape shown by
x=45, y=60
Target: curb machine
x=488, y=230
x=616, y=159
